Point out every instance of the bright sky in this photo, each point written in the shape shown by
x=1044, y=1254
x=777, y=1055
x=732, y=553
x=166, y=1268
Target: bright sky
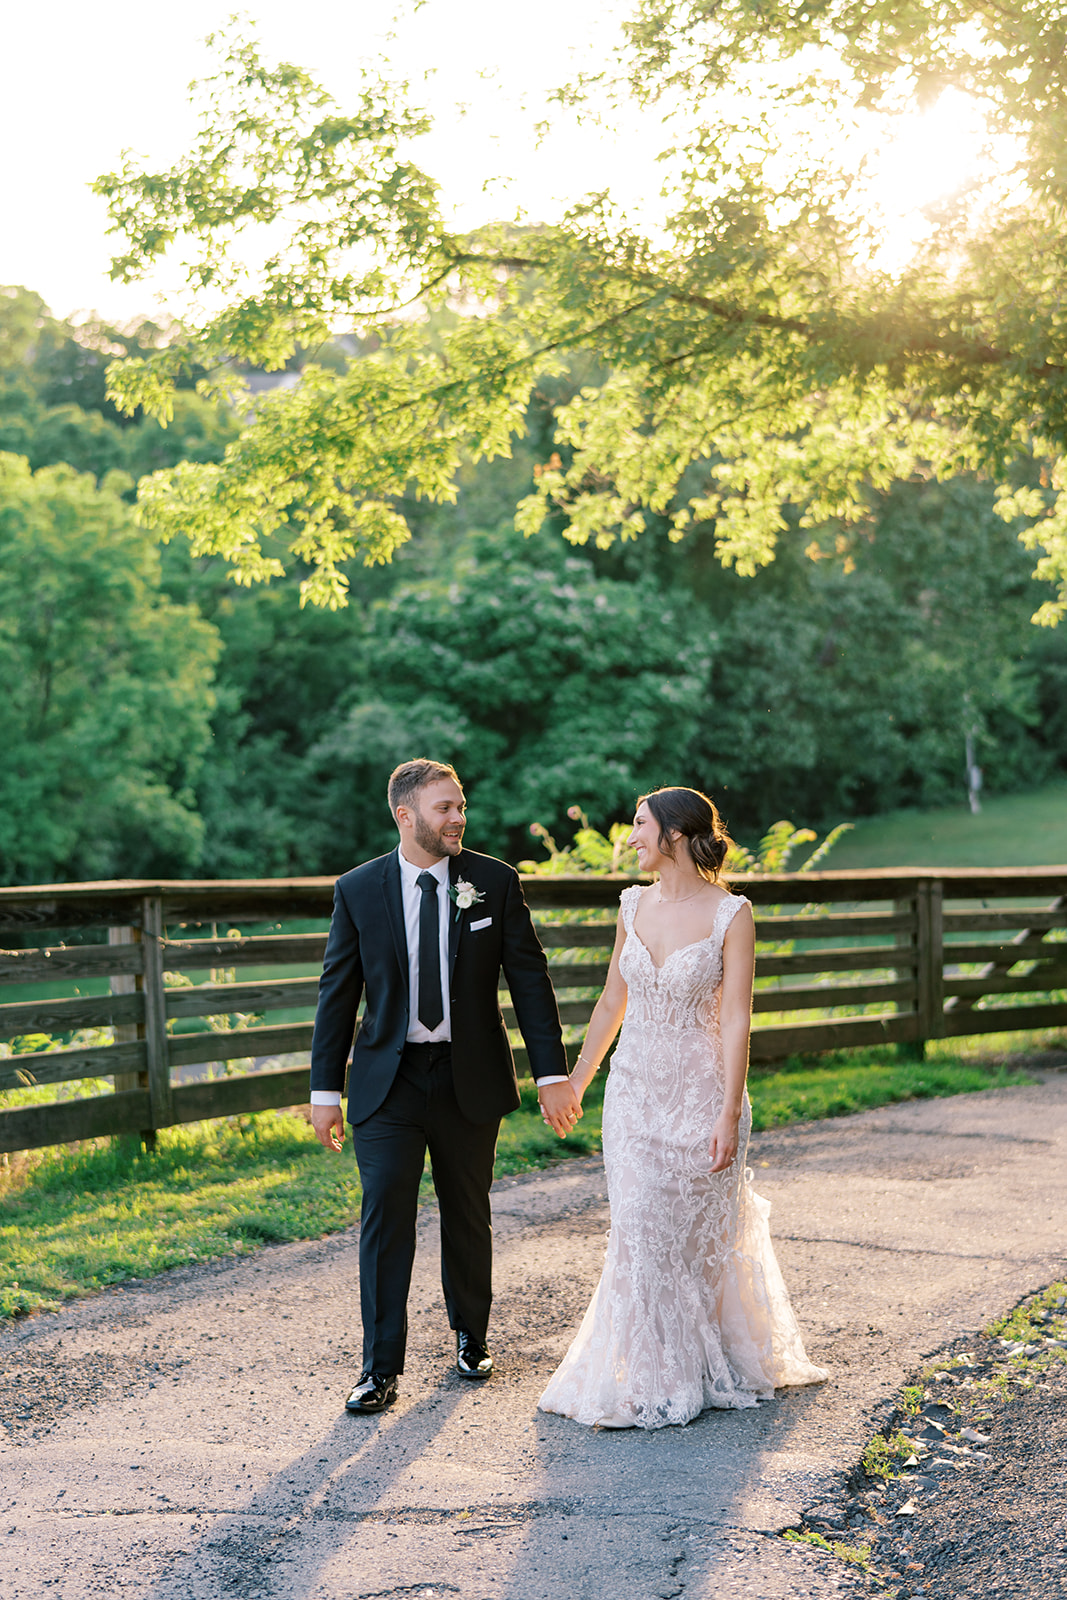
x=85, y=81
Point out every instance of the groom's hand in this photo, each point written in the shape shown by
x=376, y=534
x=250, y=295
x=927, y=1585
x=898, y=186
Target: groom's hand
x=329, y=1124
x=560, y=1107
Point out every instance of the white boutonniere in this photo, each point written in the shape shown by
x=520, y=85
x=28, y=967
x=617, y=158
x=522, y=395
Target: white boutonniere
x=465, y=895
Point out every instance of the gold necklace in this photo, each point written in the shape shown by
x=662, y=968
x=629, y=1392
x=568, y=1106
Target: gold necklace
x=681, y=898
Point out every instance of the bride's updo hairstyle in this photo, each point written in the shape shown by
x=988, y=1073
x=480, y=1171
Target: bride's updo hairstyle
x=695, y=817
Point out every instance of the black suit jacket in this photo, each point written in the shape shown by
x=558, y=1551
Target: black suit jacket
x=367, y=953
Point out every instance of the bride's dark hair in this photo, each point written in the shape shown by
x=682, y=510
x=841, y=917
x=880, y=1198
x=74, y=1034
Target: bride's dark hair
x=696, y=818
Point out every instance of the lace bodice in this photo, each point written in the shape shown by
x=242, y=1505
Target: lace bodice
x=684, y=991
x=672, y=1018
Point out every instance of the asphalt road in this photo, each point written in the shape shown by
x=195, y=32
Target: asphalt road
x=185, y=1439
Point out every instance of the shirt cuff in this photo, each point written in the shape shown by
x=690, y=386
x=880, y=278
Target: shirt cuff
x=561, y=1078
x=325, y=1097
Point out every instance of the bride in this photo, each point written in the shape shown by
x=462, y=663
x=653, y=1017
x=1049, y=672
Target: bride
x=691, y=1310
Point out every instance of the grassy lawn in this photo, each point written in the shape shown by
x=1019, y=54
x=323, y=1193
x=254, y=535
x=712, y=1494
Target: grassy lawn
x=1014, y=830
x=76, y=1220
x=837, y=1083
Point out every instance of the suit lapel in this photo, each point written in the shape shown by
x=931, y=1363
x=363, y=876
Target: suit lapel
x=456, y=919
x=394, y=908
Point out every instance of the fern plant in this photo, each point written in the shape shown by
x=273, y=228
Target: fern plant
x=594, y=852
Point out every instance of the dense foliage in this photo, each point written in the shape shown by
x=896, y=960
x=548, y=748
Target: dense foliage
x=555, y=677
x=54, y=404
x=105, y=714
x=760, y=367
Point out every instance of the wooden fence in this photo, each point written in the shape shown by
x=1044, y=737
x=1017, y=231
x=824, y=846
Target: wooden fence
x=883, y=956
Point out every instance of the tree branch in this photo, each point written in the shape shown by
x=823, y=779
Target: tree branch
x=949, y=346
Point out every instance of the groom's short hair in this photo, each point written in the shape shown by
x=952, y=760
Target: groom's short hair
x=411, y=776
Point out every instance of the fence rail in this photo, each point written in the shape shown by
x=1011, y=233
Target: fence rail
x=884, y=956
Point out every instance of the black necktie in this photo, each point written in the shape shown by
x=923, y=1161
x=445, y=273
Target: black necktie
x=431, y=1006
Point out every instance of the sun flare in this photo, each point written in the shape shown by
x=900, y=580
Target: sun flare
x=931, y=158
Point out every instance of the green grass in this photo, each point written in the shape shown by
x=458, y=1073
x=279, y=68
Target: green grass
x=1014, y=830
x=100, y=1213
x=858, y=1555
x=843, y=1081
x=885, y=1455
x=1030, y=1321
x=74, y=1220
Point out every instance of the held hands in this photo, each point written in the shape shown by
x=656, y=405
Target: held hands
x=560, y=1106
x=329, y=1124
x=723, y=1146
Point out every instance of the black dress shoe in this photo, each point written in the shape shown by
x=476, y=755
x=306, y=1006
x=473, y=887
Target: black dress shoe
x=472, y=1358
x=373, y=1392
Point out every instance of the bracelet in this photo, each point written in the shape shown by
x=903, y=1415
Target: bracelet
x=587, y=1061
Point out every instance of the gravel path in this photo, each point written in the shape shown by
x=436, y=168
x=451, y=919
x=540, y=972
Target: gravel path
x=184, y=1439
x=983, y=1516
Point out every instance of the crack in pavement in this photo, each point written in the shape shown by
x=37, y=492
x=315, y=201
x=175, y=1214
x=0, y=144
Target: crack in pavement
x=957, y=1133
x=900, y=1250
x=409, y=1588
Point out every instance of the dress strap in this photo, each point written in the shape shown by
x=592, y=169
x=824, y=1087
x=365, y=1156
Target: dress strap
x=628, y=902
x=726, y=913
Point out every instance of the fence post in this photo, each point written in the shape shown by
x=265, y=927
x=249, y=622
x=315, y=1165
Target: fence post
x=155, y=1016
x=128, y=1032
x=908, y=1049
x=931, y=968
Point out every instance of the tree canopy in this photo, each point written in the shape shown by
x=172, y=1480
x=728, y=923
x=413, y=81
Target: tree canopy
x=554, y=676
x=54, y=404
x=107, y=701
x=756, y=359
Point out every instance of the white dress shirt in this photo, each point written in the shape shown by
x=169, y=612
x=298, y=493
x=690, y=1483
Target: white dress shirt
x=411, y=895
x=418, y=1033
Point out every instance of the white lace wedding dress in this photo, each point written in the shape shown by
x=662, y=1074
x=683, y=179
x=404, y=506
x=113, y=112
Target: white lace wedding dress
x=691, y=1310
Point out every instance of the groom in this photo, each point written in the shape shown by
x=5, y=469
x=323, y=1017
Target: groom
x=423, y=933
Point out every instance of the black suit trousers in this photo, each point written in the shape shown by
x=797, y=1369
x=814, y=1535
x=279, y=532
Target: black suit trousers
x=420, y=1113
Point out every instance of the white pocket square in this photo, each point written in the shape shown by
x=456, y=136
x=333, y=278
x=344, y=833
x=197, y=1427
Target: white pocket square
x=486, y=922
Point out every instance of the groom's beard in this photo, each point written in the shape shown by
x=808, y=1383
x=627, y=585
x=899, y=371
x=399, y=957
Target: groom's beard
x=434, y=840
